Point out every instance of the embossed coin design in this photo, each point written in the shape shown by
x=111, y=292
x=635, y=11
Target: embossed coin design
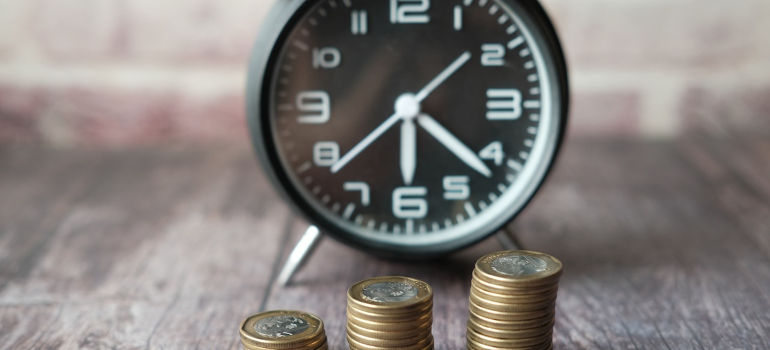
x=283, y=330
x=518, y=269
x=281, y=326
x=389, y=292
x=519, y=265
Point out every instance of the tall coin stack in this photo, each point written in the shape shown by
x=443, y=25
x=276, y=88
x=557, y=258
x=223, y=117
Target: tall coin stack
x=390, y=312
x=283, y=330
x=513, y=301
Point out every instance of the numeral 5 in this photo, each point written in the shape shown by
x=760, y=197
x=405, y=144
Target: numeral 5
x=457, y=188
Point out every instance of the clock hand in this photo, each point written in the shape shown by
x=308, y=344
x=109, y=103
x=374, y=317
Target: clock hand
x=361, y=146
x=452, y=69
x=407, y=106
x=453, y=144
x=408, y=150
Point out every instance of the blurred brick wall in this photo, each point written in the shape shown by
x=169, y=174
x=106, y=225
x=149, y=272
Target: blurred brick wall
x=121, y=73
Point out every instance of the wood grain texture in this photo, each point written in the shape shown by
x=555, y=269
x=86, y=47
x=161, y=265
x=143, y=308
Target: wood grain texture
x=665, y=246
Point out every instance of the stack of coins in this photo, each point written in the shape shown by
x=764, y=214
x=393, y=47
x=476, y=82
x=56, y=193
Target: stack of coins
x=283, y=330
x=513, y=301
x=390, y=312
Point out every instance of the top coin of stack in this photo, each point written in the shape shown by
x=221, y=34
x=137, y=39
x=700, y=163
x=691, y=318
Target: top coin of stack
x=283, y=330
x=390, y=312
x=513, y=301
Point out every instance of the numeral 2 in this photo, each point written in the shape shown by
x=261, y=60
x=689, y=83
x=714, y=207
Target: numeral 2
x=494, y=55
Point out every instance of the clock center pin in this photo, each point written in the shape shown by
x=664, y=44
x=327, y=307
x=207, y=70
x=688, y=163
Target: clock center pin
x=407, y=106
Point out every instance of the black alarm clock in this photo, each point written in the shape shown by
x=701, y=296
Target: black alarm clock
x=408, y=128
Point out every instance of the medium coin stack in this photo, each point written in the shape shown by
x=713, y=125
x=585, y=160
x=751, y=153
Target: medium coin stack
x=283, y=330
x=389, y=313
x=513, y=301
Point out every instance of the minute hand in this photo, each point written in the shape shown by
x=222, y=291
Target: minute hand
x=453, y=144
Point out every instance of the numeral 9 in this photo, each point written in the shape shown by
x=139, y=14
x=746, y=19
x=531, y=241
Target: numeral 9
x=317, y=103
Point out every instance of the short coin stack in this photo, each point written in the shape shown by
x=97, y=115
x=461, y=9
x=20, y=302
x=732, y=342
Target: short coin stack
x=390, y=312
x=513, y=301
x=283, y=330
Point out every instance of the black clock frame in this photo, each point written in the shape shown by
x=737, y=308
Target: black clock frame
x=282, y=19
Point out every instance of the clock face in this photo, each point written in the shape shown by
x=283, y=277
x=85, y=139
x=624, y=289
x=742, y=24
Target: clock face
x=405, y=125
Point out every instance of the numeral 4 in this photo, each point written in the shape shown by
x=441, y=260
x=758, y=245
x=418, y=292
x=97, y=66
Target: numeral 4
x=327, y=57
x=362, y=187
x=410, y=202
x=493, y=152
x=457, y=188
x=493, y=55
x=325, y=154
x=409, y=11
x=316, y=105
x=504, y=104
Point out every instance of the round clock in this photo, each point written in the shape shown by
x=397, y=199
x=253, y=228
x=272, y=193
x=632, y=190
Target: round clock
x=408, y=128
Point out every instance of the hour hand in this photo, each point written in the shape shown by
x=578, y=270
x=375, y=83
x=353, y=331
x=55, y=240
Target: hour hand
x=453, y=144
x=408, y=151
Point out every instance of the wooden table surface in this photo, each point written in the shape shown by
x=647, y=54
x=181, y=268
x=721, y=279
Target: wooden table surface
x=665, y=246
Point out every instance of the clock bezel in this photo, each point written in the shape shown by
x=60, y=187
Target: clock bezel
x=276, y=30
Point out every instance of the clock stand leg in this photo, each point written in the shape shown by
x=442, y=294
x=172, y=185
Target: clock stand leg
x=507, y=238
x=299, y=255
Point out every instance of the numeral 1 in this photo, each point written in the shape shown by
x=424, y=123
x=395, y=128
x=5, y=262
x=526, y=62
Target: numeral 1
x=458, y=17
x=359, y=22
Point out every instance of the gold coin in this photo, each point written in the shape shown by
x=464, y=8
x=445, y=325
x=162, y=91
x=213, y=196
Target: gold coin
x=511, y=334
x=325, y=346
x=510, y=316
x=282, y=330
x=503, y=307
x=386, y=295
x=514, y=291
x=423, y=321
x=402, y=317
x=512, y=298
x=413, y=339
x=387, y=335
x=320, y=342
x=519, y=268
x=512, y=325
x=425, y=344
x=477, y=346
x=507, y=343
